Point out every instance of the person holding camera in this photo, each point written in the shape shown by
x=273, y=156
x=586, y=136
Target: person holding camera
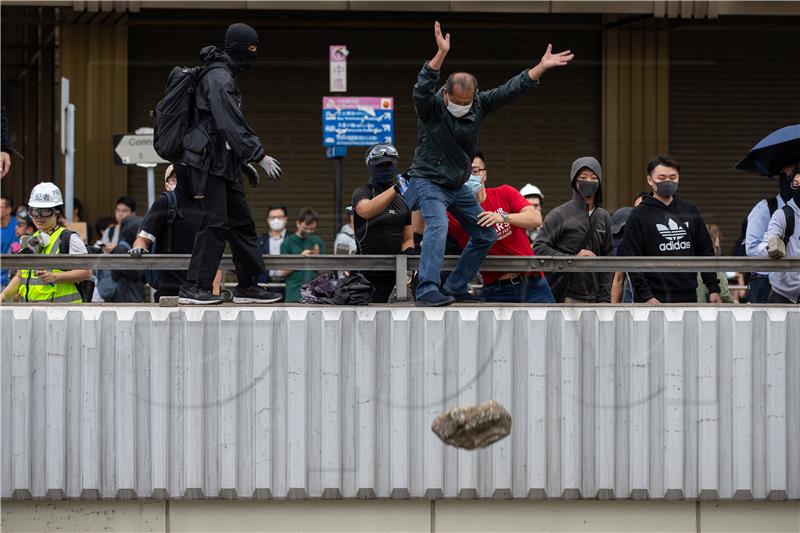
x=54, y=286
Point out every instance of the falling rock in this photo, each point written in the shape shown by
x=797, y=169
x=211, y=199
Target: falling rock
x=473, y=426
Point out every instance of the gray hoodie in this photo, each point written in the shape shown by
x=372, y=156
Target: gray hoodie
x=564, y=231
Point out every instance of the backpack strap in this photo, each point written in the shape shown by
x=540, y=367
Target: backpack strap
x=63, y=241
x=772, y=204
x=788, y=212
x=172, y=215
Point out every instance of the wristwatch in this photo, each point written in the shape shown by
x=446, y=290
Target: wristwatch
x=504, y=215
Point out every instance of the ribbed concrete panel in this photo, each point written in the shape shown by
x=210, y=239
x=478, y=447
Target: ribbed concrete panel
x=337, y=402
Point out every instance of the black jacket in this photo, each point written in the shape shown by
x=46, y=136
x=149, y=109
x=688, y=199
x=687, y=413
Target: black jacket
x=446, y=145
x=219, y=122
x=183, y=231
x=677, y=229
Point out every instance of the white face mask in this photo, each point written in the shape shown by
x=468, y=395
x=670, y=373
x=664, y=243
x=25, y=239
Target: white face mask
x=474, y=183
x=458, y=111
x=277, y=224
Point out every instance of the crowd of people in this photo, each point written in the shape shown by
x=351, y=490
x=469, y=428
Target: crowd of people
x=445, y=203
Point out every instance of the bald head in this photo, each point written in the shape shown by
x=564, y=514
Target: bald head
x=461, y=87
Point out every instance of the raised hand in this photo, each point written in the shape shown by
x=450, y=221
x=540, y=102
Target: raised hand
x=442, y=42
x=550, y=60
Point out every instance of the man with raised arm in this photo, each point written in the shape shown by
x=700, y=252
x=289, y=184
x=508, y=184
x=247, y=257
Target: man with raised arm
x=449, y=121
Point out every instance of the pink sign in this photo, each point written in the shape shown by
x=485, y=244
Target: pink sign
x=358, y=102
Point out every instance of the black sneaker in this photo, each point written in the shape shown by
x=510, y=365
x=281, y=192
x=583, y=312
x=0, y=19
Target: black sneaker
x=197, y=296
x=255, y=294
x=433, y=299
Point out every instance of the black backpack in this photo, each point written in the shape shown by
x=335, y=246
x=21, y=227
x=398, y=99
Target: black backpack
x=152, y=276
x=85, y=287
x=174, y=114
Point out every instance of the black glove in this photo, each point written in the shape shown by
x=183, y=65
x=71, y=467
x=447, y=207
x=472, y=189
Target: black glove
x=138, y=251
x=410, y=251
x=251, y=174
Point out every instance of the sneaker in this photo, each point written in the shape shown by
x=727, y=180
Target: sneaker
x=468, y=298
x=434, y=299
x=197, y=296
x=255, y=294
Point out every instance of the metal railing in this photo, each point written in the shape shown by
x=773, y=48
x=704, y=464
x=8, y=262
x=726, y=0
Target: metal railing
x=401, y=264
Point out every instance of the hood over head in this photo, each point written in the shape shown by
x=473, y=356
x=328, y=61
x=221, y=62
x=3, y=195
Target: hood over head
x=592, y=164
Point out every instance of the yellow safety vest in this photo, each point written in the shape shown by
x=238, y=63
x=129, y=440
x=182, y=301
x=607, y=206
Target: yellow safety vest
x=35, y=289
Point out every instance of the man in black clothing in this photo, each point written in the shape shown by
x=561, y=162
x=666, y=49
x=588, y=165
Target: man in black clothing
x=170, y=238
x=668, y=226
x=382, y=218
x=5, y=145
x=216, y=151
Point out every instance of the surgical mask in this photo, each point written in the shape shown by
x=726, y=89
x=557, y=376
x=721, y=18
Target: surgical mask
x=587, y=188
x=666, y=189
x=277, y=224
x=458, y=111
x=474, y=184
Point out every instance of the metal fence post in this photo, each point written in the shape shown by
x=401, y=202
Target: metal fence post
x=400, y=273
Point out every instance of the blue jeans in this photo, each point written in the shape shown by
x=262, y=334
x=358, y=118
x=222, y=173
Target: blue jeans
x=433, y=202
x=522, y=289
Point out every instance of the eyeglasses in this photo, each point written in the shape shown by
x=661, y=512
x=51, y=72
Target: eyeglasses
x=41, y=212
x=380, y=150
x=477, y=170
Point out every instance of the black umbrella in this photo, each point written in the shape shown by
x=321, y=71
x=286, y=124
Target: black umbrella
x=779, y=148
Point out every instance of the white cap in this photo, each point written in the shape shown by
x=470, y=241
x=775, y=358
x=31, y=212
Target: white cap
x=531, y=190
x=170, y=171
x=46, y=194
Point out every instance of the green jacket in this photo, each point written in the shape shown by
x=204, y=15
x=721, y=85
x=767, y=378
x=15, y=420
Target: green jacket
x=724, y=291
x=446, y=145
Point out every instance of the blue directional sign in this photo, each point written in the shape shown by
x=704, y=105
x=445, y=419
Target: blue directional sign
x=357, y=121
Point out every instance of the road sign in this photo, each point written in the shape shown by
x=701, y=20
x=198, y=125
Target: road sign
x=132, y=149
x=338, y=66
x=357, y=120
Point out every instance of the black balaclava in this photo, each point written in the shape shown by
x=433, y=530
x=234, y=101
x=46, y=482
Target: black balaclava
x=785, y=183
x=382, y=175
x=237, y=39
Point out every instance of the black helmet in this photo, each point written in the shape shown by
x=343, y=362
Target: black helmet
x=381, y=153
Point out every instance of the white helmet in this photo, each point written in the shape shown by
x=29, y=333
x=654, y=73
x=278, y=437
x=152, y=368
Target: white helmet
x=46, y=194
x=531, y=190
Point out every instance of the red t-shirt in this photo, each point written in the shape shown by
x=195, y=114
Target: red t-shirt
x=511, y=240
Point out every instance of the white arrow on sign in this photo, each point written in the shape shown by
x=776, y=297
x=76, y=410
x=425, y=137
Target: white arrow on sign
x=137, y=150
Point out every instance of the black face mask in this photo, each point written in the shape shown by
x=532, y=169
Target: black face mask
x=382, y=176
x=796, y=196
x=785, y=183
x=237, y=40
x=587, y=188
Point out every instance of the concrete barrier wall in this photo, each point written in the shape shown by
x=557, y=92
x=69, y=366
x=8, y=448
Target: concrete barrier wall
x=349, y=516
x=337, y=402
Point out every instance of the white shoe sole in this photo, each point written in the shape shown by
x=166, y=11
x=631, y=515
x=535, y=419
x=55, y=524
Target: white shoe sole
x=190, y=301
x=240, y=300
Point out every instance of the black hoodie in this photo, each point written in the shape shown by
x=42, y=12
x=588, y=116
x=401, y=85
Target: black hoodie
x=219, y=121
x=677, y=229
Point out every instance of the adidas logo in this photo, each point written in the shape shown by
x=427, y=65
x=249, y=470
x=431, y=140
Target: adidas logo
x=674, y=234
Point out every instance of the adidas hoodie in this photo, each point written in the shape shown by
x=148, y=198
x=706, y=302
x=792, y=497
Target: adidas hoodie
x=674, y=230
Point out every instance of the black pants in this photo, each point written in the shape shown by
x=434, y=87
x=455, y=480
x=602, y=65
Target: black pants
x=226, y=217
x=758, y=290
x=775, y=298
x=383, y=283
